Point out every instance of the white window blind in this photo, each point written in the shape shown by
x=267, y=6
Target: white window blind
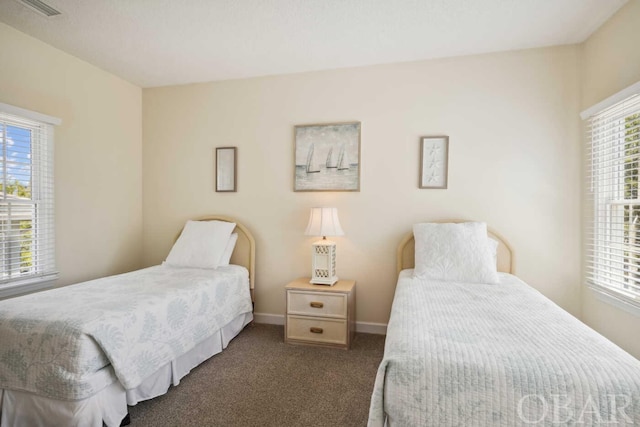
x=613, y=199
x=27, y=245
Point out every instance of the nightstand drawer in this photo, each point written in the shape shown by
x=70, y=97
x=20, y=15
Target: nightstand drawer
x=317, y=304
x=315, y=329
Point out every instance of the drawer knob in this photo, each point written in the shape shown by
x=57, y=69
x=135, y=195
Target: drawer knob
x=316, y=304
x=315, y=330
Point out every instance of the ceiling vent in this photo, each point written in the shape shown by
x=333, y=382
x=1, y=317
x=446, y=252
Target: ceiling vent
x=40, y=7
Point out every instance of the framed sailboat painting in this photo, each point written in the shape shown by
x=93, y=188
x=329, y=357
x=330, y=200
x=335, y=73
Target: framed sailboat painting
x=327, y=157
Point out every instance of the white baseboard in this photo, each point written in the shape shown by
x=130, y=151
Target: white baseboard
x=371, y=328
x=364, y=327
x=269, y=319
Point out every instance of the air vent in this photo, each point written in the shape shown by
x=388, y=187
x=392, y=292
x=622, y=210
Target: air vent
x=40, y=7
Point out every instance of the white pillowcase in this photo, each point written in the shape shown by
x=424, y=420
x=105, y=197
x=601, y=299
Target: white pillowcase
x=228, y=251
x=454, y=253
x=201, y=244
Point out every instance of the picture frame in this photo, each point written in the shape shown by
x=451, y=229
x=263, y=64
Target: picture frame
x=434, y=162
x=226, y=169
x=327, y=157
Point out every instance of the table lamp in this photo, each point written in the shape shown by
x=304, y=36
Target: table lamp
x=323, y=222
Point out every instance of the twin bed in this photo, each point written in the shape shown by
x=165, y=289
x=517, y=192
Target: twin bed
x=78, y=355
x=462, y=353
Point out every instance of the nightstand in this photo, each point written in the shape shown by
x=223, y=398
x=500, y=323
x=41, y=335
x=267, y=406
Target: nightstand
x=320, y=315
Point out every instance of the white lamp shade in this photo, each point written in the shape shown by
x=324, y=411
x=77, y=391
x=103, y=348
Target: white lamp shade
x=324, y=222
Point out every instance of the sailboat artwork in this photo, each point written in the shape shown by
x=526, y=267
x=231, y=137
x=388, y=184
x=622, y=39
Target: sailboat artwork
x=330, y=164
x=343, y=160
x=327, y=157
x=310, y=167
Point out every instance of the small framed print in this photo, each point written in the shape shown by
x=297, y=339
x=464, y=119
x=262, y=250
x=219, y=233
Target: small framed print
x=434, y=159
x=226, y=162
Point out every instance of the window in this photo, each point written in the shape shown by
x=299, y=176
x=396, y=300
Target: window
x=27, y=246
x=613, y=197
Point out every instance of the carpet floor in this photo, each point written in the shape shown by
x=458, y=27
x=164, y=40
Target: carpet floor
x=261, y=381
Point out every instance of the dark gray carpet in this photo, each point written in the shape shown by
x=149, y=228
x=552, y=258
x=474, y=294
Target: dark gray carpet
x=261, y=381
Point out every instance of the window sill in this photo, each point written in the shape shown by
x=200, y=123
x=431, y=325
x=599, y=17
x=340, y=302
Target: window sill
x=617, y=300
x=27, y=286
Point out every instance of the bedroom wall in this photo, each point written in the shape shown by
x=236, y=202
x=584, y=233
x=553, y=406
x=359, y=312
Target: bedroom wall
x=611, y=62
x=98, y=153
x=514, y=162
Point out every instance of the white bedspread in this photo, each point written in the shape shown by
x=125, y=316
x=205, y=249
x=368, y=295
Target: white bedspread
x=497, y=355
x=67, y=343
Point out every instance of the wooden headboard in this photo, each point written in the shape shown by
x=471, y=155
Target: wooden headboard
x=405, y=257
x=244, y=253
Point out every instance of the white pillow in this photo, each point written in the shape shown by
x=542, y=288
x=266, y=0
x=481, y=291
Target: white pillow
x=228, y=251
x=201, y=244
x=454, y=253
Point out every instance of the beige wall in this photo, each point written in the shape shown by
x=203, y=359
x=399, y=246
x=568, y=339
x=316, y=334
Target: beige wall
x=514, y=162
x=98, y=153
x=611, y=62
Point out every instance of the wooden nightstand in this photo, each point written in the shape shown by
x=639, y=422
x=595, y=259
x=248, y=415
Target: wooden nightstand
x=320, y=315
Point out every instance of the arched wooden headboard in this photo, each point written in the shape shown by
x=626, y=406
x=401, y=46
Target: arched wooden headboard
x=244, y=253
x=405, y=255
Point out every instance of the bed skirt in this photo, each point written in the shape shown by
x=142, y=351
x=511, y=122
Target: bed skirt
x=109, y=406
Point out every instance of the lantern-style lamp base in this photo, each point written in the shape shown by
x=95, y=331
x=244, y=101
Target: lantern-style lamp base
x=323, y=263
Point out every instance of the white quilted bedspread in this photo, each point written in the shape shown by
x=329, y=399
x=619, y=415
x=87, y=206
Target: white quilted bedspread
x=67, y=343
x=497, y=355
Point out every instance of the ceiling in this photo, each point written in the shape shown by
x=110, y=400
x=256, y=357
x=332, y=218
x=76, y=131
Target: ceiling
x=167, y=42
